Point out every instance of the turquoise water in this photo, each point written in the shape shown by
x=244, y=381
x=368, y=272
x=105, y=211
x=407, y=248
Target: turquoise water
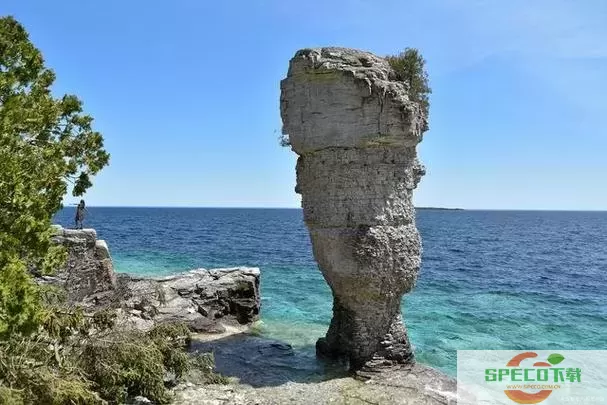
x=489, y=279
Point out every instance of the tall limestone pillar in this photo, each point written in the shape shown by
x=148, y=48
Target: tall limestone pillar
x=355, y=131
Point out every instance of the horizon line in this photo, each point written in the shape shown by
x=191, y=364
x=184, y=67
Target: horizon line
x=299, y=208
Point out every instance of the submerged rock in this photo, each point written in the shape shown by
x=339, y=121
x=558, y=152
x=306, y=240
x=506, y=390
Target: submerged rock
x=355, y=131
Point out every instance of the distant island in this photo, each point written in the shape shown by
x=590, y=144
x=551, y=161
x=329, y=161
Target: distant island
x=439, y=208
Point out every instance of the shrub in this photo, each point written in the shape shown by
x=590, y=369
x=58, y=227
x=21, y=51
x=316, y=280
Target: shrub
x=410, y=67
x=106, y=366
x=120, y=366
x=202, y=365
x=32, y=372
x=137, y=363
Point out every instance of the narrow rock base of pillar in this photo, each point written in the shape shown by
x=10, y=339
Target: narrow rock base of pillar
x=348, y=339
x=395, y=352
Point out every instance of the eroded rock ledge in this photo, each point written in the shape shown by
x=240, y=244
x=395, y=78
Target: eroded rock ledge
x=206, y=300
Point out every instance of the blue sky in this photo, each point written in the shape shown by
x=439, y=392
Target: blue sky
x=186, y=94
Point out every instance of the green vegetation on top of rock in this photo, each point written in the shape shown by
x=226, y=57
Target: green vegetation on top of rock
x=410, y=67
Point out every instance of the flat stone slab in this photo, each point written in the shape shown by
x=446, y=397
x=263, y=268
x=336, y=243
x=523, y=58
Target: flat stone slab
x=419, y=385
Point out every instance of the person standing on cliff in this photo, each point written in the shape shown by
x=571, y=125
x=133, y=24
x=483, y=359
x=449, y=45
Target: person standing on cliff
x=80, y=211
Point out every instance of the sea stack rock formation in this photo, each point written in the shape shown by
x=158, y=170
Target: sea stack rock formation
x=355, y=131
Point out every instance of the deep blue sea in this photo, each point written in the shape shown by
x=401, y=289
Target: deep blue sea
x=489, y=279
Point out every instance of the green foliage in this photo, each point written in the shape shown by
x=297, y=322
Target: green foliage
x=20, y=309
x=136, y=363
x=121, y=365
x=10, y=396
x=33, y=371
x=410, y=67
x=167, y=338
x=46, y=143
x=201, y=369
x=94, y=365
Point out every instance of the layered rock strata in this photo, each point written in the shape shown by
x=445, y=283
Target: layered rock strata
x=355, y=131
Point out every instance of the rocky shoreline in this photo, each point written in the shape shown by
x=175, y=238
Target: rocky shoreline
x=220, y=306
x=207, y=300
x=266, y=372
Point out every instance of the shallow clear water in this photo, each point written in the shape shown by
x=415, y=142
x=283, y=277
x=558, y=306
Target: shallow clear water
x=489, y=279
